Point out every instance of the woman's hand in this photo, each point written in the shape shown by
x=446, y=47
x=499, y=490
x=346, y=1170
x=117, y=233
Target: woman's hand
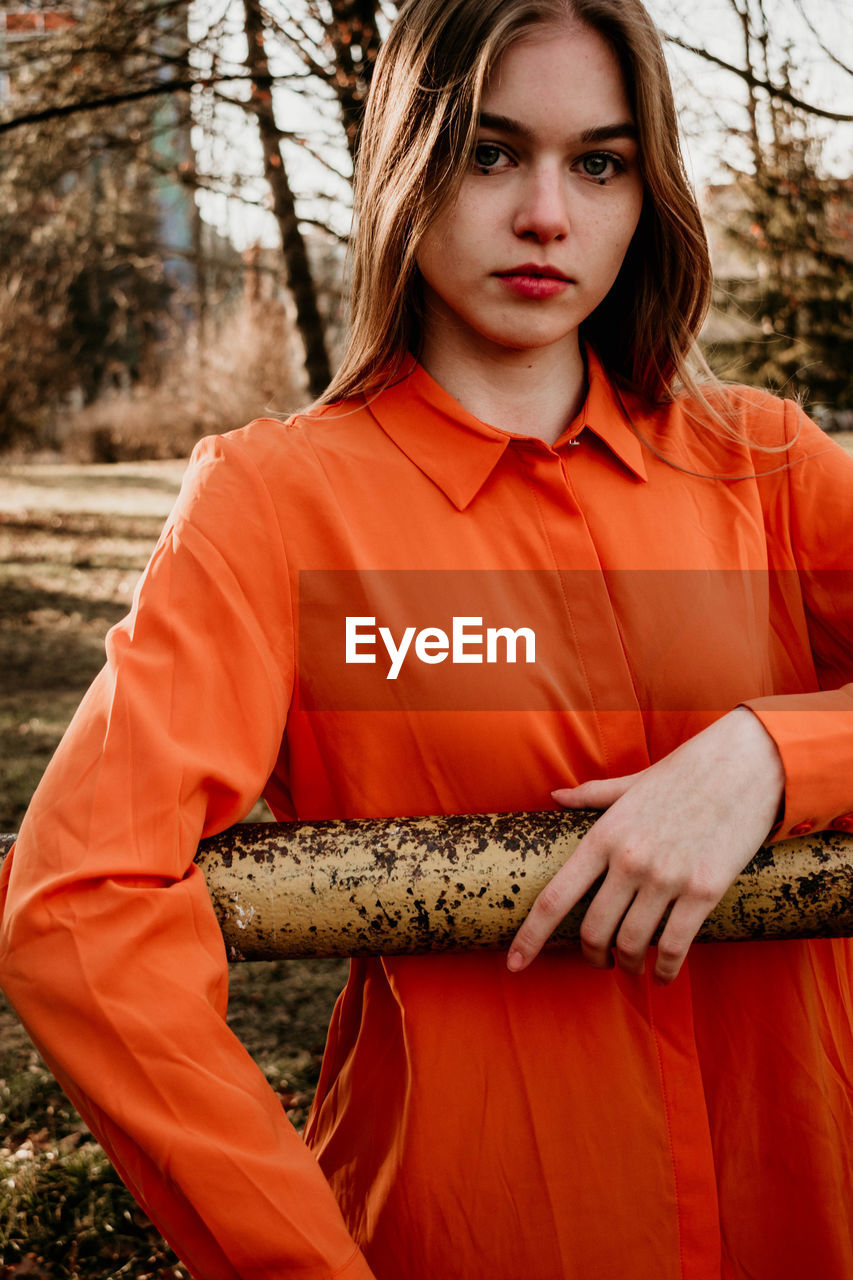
x=679, y=832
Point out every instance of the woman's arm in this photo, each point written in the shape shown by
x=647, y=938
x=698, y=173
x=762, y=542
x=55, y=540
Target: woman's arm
x=678, y=833
x=109, y=947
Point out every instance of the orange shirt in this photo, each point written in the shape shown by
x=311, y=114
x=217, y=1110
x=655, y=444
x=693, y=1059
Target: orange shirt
x=557, y=1124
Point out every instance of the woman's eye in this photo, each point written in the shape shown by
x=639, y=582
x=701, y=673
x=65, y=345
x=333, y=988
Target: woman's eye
x=488, y=155
x=601, y=165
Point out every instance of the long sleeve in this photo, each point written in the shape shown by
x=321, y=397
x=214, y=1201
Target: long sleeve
x=109, y=947
x=813, y=504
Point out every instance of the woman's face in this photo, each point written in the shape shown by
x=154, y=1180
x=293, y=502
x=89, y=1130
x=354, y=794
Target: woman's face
x=546, y=212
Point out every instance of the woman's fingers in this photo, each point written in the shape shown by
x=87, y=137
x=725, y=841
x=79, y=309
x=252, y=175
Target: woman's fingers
x=622, y=918
x=555, y=901
x=681, y=928
x=602, y=919
x=635, y=933
x=599, y=793
x=677, y=833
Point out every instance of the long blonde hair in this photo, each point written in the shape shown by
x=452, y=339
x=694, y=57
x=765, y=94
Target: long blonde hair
x=419, y=132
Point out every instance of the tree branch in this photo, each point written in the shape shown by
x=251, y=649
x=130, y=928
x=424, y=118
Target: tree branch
x=776, y=91
x=184, y=85
x=824, y=48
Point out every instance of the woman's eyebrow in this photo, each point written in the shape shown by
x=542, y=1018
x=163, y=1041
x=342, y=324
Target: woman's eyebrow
x=600, y=133
x=607, y=132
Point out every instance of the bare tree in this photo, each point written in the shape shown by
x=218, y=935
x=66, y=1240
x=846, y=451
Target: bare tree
x=81, y=262
x=760, y=24
x=299, y=278
x=337, y=42
x=777, y=91
x=785, y=219
x=124, y=60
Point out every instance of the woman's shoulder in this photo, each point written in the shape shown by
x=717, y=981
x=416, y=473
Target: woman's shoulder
x=279, y=446
x=735, y=411
x=732, y=430
x=265, y=470
x=316, y=426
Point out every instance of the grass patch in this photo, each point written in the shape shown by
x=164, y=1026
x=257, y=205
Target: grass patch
x=76, y=1219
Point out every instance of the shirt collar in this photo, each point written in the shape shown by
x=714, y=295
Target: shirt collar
x=458, y=452
x=605, y=412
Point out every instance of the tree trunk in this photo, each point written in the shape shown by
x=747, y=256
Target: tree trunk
x=299, y=278
x=353, y=26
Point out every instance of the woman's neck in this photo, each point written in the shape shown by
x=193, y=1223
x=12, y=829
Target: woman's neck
x=533, y=393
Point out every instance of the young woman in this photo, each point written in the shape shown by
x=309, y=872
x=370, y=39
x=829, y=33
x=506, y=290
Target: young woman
x=514, y=439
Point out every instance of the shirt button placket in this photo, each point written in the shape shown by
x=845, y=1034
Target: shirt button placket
x=613, y=697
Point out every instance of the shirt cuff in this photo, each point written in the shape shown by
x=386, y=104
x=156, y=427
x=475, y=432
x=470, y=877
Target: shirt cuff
x=813, y=733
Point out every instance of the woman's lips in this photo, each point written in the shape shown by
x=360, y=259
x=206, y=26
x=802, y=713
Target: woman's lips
x=529, y=281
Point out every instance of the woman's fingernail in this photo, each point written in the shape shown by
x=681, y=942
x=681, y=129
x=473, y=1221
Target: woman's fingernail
x=515, y=961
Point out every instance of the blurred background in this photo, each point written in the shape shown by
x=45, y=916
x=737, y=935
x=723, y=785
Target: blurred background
x=175, y=196
x=175, y=199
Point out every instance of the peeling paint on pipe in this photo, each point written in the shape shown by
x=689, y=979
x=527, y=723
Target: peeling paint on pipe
x=396, y=886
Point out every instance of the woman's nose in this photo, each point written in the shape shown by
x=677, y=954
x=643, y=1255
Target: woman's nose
x=542, y=212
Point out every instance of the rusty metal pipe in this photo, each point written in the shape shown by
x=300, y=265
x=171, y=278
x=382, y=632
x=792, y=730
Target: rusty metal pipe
x=395, y=886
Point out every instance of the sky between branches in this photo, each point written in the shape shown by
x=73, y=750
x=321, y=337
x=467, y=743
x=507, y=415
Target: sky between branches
x=711, y=104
